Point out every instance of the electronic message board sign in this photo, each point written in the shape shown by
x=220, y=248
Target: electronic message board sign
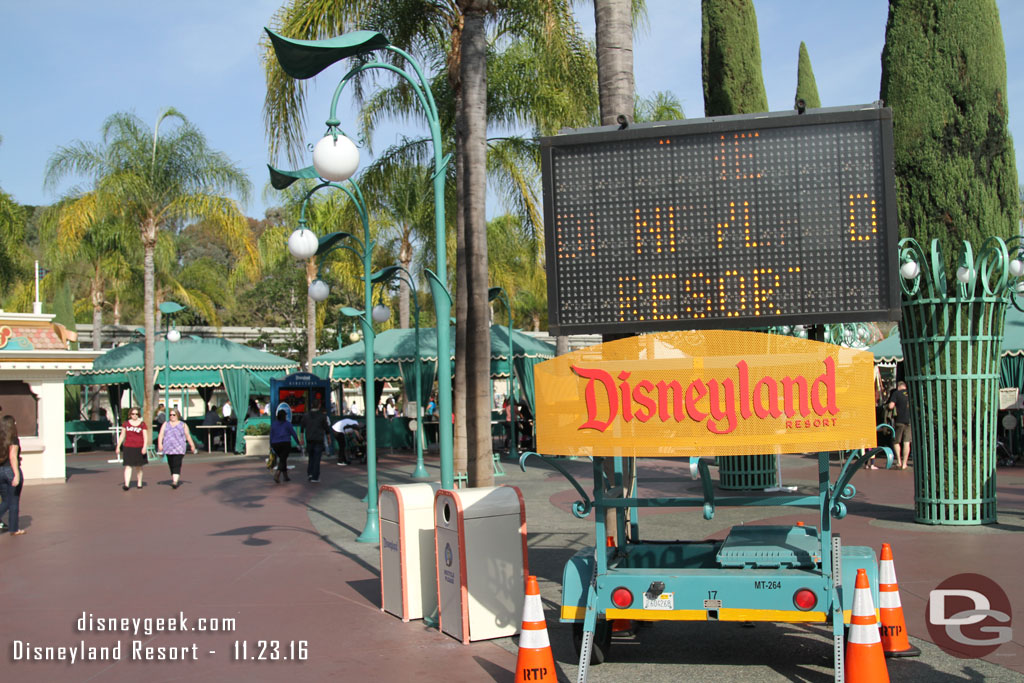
x=729, y=222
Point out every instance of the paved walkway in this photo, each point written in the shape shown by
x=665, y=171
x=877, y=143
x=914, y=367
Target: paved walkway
x=282, y=562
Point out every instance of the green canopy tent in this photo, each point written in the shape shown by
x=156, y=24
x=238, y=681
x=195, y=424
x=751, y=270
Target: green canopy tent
x=194, y=362
x=1011, y=365
x=395, y=353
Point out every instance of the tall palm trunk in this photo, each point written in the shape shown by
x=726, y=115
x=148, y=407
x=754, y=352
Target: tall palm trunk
x=311, y=316
x=461, y=278
x=148, y=305
x=613, y=29
x=474, y=103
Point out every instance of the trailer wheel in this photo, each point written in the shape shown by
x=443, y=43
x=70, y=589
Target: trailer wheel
x=602, y=641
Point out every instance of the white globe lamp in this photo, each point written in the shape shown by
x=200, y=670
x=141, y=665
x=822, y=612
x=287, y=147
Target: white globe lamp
x=1016, y=267
x=335, y=159
x=963, y=274
x=354, y=337
x=318, y=290
x=303, y=243
x=380, y=313
x=173, y=335
x=910, y=270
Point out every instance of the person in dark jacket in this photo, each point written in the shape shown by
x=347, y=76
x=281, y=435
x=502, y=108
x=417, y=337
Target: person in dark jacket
x=315, y=425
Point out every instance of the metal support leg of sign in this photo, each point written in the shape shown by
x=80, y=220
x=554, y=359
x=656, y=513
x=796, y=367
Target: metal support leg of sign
x=838, y=652
x=589, y=625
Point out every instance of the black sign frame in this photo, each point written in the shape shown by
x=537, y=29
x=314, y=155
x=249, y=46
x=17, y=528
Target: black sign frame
x=885, y=306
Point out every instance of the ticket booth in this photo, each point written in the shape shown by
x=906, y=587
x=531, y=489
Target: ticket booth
x=298, y=391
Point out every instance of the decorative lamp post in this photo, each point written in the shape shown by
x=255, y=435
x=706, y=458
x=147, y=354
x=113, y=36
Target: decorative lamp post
x=500, y=293
x=303, y=59
x=301, y=247
x=171, y=336
x=385, y=275
x=952, y=332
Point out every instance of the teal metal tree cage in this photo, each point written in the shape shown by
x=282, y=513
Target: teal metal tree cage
x=951, y=334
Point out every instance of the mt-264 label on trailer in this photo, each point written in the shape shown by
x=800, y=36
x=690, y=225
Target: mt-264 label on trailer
x=768, y=585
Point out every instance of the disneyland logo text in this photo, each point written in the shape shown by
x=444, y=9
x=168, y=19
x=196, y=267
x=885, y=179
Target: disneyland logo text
x=720, y=404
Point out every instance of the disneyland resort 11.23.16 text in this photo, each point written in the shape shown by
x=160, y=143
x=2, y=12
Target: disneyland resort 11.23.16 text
x=138, y=649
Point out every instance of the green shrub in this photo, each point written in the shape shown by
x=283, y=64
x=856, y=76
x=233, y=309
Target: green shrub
x=258, y=429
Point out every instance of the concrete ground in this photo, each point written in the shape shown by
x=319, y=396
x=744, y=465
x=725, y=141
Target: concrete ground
x=283, y=563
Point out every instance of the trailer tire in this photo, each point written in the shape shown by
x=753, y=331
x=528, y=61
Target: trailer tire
x=602, y=641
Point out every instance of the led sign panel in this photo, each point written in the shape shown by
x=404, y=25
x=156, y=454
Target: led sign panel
x=740, y=221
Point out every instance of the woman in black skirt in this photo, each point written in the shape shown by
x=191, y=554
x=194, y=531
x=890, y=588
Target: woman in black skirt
x=135, y=441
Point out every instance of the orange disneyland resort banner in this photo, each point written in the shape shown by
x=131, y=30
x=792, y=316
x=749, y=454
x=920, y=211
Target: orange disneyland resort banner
x=709, y=393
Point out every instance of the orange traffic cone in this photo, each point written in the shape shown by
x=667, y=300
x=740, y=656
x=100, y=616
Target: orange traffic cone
x=535, y=661
x=894, y=626
x=865, y=660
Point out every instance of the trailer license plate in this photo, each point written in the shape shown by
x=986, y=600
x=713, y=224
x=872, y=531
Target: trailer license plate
x=664, y=601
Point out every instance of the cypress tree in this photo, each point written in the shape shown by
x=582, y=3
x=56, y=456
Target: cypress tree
x=806, y=87
x=944, y=75
x=731, y=58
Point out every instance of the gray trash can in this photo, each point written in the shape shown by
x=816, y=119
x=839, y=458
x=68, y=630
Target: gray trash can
x=481, y=561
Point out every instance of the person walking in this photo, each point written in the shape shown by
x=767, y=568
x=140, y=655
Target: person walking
x=315, y=425
x=281, y=434
x=174, y=434
x=11, y=478
x=134, y=441
x=899, y=402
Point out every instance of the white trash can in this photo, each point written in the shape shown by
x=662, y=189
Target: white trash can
x=481, y=561
x=408, y=579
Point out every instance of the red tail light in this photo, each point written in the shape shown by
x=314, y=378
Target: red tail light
x=622, y=598
x=805, y=599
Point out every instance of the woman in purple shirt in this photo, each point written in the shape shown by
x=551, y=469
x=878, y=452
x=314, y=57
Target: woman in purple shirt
x=171, y=442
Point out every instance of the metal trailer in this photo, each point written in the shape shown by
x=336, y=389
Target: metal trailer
x=758, y=573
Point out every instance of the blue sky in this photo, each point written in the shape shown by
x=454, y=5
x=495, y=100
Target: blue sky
x=69, y=64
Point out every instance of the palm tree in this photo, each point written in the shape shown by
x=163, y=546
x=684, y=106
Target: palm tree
x=450, y=33
x=98, y=257
x=155, y=183
x=12, y=228
x=661, y=106
x=12, y=223
x=517, y=268
x=400, y=195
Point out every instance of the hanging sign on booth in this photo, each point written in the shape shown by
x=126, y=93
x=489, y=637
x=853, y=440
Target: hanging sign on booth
x=708, y=393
